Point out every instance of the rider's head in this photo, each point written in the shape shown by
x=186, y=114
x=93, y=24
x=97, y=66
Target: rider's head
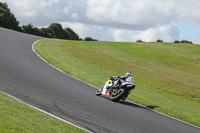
x=128, y=74
x=112, y=78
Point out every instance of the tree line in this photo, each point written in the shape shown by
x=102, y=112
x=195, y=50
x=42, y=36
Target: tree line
x=176, y=41
x=55, y=30
x=7, y=19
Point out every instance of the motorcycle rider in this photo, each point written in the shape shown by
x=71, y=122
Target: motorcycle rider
x=128, y=74
x=115, y=78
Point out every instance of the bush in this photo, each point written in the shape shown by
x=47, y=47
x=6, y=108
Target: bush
x=90, y=39
x=183, y=41
x=139, y=40
x=176, y=41
x=159, y=40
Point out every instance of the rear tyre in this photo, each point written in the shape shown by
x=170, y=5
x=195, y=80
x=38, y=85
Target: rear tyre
x=120, y=95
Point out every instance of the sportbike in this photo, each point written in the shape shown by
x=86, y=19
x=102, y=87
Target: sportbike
x=117, y=88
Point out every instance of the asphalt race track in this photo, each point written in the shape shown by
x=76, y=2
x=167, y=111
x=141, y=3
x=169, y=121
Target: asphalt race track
x=24, y=75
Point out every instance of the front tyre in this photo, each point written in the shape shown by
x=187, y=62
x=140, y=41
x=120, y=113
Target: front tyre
x=115, y=97
x=98, y=91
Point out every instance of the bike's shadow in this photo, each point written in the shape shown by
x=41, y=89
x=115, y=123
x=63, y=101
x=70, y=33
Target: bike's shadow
x=129, y=103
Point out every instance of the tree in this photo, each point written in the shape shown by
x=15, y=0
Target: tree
x=30, y=29
x=71, y=34
x=7, y=19
x=139, y=40
x=56, y=31
x=46, y=33
x=90, y=39
x=183, y=41
x=159, y=40
x=176, y=41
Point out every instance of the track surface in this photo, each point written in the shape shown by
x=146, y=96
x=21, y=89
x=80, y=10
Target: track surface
x=27, y=77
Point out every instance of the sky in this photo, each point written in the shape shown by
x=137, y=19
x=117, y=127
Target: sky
x=115, y=20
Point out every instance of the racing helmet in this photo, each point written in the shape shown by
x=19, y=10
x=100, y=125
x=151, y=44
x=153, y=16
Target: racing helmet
x=129, y=74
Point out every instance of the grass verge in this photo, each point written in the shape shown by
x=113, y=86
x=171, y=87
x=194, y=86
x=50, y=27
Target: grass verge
x=167, y=75
x=17, y=117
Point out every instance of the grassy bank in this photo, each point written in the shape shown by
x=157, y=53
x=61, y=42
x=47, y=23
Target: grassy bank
x=17, y=117
x=167, y=75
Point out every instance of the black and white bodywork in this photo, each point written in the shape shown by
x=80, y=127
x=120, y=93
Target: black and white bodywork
x=117, y=88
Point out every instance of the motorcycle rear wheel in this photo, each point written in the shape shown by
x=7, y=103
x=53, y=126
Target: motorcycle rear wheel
x=120, y=95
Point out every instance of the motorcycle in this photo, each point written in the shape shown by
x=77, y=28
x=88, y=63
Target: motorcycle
x=116, y=88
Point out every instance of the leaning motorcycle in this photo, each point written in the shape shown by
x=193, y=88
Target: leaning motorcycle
x=116, y=88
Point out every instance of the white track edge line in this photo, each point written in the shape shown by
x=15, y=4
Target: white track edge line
x=45, y=112
x=33, y=48
x=96, y=88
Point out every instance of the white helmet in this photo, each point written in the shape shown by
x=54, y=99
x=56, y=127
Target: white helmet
x=129, y=74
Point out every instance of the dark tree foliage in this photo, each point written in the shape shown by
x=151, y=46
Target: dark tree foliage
x=7, y=19
x=159, y=40
x=30, y=29
x=176, y=41
x=90, y=39
x=71, y=34
x=139, y=40
x=183, y=41
x=46, y=32
x=55, y=30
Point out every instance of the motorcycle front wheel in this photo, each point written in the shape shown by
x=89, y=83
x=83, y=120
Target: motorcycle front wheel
x=115, y=97
x=98, y=91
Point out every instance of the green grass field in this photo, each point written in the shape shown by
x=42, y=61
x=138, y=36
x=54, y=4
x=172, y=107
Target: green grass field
x=167, y=75
x=20, y=118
